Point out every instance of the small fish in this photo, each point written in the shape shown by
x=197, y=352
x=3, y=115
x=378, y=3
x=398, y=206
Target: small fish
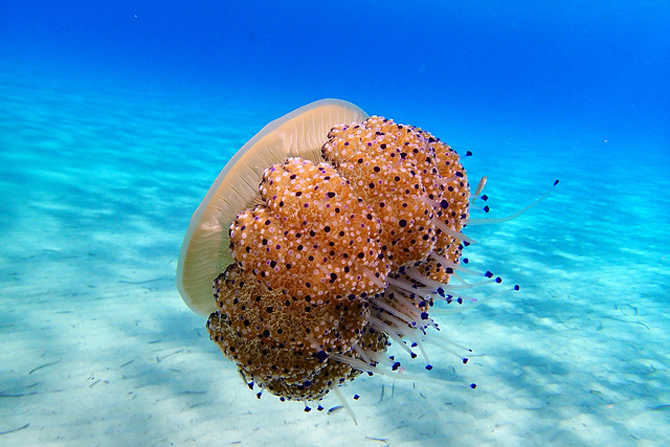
x=480, y=187
x=335, y=409
x=44, y=366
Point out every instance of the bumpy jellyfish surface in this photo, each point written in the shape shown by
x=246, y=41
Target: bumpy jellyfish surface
x=339, y=256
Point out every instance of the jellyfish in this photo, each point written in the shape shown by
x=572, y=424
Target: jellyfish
x=327, y=238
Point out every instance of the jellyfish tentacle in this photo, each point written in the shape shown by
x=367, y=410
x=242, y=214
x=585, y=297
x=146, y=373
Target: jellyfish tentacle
x=499, y=220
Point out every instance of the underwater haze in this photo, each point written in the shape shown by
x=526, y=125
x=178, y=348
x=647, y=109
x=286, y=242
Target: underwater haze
x=117, y=116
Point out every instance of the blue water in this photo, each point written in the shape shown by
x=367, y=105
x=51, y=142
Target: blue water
x=115, y=117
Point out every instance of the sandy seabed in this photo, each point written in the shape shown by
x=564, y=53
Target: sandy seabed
x=99, y=349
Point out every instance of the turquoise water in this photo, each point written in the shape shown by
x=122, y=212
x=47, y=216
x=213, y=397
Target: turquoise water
x=112, y=130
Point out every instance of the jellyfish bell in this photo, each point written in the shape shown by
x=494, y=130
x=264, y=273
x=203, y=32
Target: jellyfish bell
x=204, y=253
